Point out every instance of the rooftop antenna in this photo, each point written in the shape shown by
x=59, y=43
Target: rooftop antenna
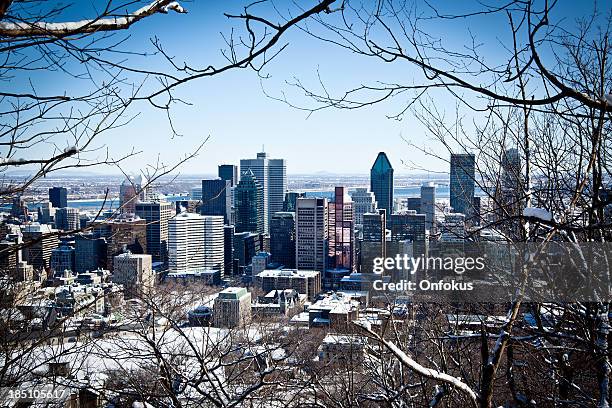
x=263, y=148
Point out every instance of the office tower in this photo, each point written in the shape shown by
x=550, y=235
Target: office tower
x=413, y=204
x=282, y=239
x=260, y=262
x=341, y=231
x=90, y=252
x=67, y=219
x=46, y=213
x=462, y=176
x=291, y=197
x=409, y=226
x=62, y=259
x=373, y=244
x=256, y=169
x=304, y=282
x=428, y=205
x=232, y=308
x=272, y=177
x=214, y=244
x=277, y=186
x=229, y=172
x=476, y=215
x=39, y=240
x=156, y=215
x=311, y=234
x=249, y=206
x=453, y=228
x=246, y=245
x=363, y=202
x=511, y=186
x=381, y=182
x=132, y=190
x=134, y=272
x=196, y=194
x=127, y=232
x=58, y=197
x=19, y=207
x=216, y=198
x=228, y=249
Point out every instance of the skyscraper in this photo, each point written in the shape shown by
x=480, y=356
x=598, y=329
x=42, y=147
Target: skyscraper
x=511, y=188
x=311, y=233
x=134, y=272
x=428, y=205
x=58, y=197
x=185, y=242
x=39, y=240
x=341, y=231
x=409, y=226
x=363, y=202
x=216, y=198
x=126, y=232
x=290, y=203
x=132, y=190
x=62, y=259
x=381, y=182
x=462, y=174
x=156, y=214
x=228, y=249
x=90, y=252
x=282, y=238
x=229, y=172
x=272, y=177
x=249, y=206
x=67, y=219
x=373, y=244
x=277, y=179
x=195, y=242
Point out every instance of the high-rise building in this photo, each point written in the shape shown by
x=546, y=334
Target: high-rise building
x=195, y=242
x=249, y=206
x=409, y=226
x=363, y=202
x=229, y=172
x=277, y=186
x=58, y=197
x=62, y=259
x=311, y=233
x=216, y=198
x=127, y=232
x=134, y=272
x=67, y=219
x=156, y=215
x=511, y=188
x=90, y=252
x=228, y=249
x=341, y=231
x=39, y=240
x=272, y=177
x=413, y=204
x=232, y=308
x=428, y=205
x=290, y=202
x=304, y=282
x=453, y=228
x=462, y=177
x=373, y=244
x=282, y=238
x=196, y=194
x=132, y=190
x=246, y=246
x=381, y=182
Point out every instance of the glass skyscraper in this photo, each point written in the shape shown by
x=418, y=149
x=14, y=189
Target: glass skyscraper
x=249, y=206
x=217, y=198
x=282, y=238
x=58, y=197
x=381, y=182
x=462, y=173
x=229, y=172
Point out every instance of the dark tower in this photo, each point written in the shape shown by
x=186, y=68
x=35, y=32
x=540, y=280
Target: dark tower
x=381, y=182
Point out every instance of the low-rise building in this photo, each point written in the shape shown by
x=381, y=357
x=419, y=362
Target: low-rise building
x=306, y=282
x=232, y=307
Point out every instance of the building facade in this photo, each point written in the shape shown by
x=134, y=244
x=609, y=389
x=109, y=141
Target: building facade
x=282, y=238
x=156, y=215
x=462, y=173
x=216, y=198
x=249, y=205
x=58, y=197
x=381, y=182
x=311, y=234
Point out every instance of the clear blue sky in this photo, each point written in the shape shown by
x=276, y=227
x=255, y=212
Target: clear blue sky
x=239, y=118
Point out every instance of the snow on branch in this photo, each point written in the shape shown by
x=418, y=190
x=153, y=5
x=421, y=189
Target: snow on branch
x=44, y=29
x=430, y=373
x=539, y=213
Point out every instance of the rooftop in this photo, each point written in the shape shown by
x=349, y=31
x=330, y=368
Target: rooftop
x=288, y=273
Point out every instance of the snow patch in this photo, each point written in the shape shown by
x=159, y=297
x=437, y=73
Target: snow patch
x=539, y=213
